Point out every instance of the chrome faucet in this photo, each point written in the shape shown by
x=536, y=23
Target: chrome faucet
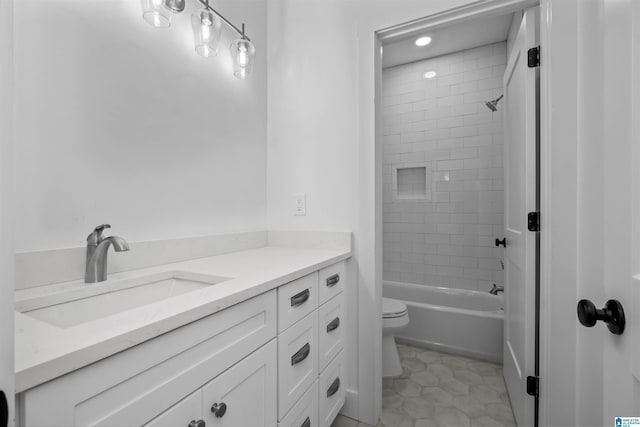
x=496, y=289
x=97, y=248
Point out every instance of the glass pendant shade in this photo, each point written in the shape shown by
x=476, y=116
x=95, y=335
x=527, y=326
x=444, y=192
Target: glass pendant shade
x=242, y=53
x=207, y=27
x=154, y=12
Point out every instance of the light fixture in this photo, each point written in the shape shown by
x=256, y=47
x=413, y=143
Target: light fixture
x=154, y=12
x=207, y=27
x=206, y=32
x=423, y=41
x=430, y=74
x=242, y=53
x=175, y=6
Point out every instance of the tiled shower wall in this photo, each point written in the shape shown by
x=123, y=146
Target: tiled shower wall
x=442, y=170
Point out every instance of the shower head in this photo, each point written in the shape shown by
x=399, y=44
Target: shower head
x=493, y=105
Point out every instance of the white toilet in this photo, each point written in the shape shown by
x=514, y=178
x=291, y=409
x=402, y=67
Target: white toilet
x=394, y=319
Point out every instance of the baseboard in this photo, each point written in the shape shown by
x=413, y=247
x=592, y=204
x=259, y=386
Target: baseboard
x=350, y=408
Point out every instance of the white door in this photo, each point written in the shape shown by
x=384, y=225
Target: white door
x=520, y=198
x=6, y=243
x=621, y=140
x=609, y=371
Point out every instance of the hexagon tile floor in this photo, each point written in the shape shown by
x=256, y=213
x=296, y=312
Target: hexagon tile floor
x=442, y=390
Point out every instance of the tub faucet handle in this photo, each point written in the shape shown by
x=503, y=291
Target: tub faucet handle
x=495, y=289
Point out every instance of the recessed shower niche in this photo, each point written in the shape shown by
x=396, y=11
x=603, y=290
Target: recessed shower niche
x=412, y=182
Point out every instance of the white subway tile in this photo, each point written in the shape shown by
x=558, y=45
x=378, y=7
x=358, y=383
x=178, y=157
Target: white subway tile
x=450, y=122
x=444, y=124
x=450, y=164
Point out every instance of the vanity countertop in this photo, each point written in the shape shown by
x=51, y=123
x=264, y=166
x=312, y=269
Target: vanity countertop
x=44, y=352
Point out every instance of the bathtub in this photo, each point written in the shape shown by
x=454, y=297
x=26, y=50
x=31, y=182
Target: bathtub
x=457, y=321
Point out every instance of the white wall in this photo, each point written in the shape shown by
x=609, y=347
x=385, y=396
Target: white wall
x=6, y=201
x=123, y=123
x=321, y=141
x=446, y=236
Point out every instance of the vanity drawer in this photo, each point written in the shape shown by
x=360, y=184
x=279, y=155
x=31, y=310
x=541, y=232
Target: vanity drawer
x=331, y=329
x=296, y=300
x=305, y=412
x=332, y=390
x=332, y=281
x=297, y=362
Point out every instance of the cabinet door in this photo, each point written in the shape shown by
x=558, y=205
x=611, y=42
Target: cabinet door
x=182, y=414
x=244, y=395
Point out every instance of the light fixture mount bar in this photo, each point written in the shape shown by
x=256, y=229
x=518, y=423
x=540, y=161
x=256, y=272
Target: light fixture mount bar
x=205, y=3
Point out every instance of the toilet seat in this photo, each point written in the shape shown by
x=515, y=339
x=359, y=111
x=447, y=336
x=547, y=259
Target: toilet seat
x=393, y=308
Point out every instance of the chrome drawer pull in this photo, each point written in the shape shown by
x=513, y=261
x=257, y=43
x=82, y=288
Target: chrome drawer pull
x=333, y=325
x=199, y=423
x=333, y=389
x=301, y=354
x=333, y=280
x=300, y=298
x=306, y=423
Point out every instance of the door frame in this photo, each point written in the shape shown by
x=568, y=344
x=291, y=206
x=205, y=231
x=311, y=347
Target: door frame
x=6, y=203
x=558, y=158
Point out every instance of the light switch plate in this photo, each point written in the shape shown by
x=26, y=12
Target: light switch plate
x=300, y=204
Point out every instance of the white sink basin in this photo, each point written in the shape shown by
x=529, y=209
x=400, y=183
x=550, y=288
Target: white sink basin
x=88, y=302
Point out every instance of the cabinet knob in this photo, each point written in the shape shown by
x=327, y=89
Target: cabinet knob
x=502, y=242
x=199, y=423
x=218, y=409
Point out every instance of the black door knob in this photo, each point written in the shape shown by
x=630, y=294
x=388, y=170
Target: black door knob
x=502, y=242
x=612, y=314
x=4, y=410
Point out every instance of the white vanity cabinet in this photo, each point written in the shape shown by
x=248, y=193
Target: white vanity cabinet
x=133, y=387
x=274, y=360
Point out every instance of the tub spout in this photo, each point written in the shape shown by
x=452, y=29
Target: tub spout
x=495, y=289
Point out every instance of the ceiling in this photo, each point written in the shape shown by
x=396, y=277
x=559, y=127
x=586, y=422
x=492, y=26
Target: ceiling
x=449, y=39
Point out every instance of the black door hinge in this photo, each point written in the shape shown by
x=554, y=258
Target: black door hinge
x=533, y=386
x=533, y=59
x=533, y=221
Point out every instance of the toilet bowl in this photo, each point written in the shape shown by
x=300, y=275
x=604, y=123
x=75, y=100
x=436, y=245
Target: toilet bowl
x=394, y=319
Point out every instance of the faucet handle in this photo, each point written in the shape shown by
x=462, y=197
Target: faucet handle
x=100, y=228
x=96, y=236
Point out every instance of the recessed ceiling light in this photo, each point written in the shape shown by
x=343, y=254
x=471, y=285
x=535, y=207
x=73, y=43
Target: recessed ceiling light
x=423, y=41
x=430, y=74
